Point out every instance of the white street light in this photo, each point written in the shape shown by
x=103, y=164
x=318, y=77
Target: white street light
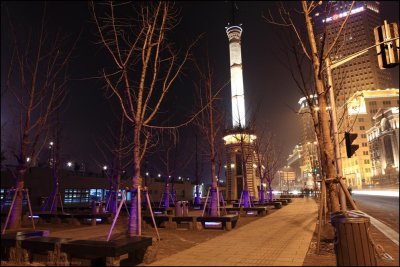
x=147, y=174
x=159, y=175
x=28, y=159
x=69, y=164
x=51, y=143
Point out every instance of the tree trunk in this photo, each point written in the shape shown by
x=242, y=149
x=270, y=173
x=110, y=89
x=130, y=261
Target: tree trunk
x=270, y=191
x=16, y=214
x=214, y=197
x=135, y=213
x=197, y=201
x=324, y=119
x=261, y=193
x=166, y=195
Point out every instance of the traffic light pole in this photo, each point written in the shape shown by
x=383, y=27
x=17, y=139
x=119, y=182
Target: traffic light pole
x=329, y=67
x=339, y=169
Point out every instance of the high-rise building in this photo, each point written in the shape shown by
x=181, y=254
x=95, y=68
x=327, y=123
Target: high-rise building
x=362, y=72
x=356, y=80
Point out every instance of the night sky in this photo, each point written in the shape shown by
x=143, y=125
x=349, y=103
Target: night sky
x=87, y=113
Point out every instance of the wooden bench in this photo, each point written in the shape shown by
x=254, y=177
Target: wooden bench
x=260, y=211
x=103, y=253
x=44, y=246
x=284, y=201
x=189, y=220
x=104, y=217
x=75, y=218
x=165, y=211
x=227, y=222
x=162, y=221
x=13, y=240
x=276, y=204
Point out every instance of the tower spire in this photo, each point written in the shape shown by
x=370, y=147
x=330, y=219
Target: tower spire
x=234, y=33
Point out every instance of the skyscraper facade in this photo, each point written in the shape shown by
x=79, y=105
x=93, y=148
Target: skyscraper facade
x=362, y=72
x=361, y=75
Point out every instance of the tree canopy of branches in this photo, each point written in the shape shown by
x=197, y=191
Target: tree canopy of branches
x=209, y=122
x=268, y=158
x=317, y=51
x=145, y=66
x=37, y=78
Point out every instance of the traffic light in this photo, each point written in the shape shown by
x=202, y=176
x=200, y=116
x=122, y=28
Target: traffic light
x=350, y=149
x=388, y=52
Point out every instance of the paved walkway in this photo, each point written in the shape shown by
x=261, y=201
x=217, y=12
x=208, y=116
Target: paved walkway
x=279, y=239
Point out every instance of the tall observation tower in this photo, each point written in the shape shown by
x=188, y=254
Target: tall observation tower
x=241, y=181
x=237, y=91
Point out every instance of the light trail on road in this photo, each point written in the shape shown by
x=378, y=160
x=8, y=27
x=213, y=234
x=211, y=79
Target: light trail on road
x=376, y=193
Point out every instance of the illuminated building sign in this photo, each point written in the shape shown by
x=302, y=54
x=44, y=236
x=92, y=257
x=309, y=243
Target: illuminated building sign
x=344, y=14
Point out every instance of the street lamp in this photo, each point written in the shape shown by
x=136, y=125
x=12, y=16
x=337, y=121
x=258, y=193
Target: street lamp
x=105, y=167
x=69, y=164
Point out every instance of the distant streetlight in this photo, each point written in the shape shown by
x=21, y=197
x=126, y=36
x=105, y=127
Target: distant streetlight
x=159, y=175
x=69, y=164
x=51, y=143
x=105, y=167
x=147, y=174
x=28, y=159
x=179, y=178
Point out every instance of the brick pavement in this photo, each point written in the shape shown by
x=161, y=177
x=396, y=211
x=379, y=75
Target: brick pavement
x=279, y=239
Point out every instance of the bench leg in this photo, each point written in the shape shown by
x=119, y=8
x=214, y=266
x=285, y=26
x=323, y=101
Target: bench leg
x=93, y=221
x=198, y=226
x=228, y=226
x=137, y=256
x=19, y=256
x=113, y=261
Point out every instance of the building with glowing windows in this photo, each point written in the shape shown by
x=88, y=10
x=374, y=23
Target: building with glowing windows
x=383, y=141
x=363, y=109
x=359, y=84
x=362, y=72
x=304, y=158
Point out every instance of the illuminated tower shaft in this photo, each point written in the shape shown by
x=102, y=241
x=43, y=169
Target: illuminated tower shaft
x=238, y=110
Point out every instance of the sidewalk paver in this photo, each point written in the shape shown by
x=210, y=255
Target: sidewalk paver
x=278, y=239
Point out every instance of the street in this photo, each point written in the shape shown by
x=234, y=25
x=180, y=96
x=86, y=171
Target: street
x=382, y=208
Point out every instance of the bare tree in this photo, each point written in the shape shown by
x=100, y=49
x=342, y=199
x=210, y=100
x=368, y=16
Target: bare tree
x=37, y=78
x=317, y=54
x=268, y=158
x=115, y=151
x=145, y=68
x=209, y=122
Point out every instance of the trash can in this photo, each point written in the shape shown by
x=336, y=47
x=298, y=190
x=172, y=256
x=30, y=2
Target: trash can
x=353, y=246
x=185, y=208
x=179, y=208
x=95, y=207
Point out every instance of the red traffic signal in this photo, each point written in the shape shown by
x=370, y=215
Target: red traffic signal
x=350, y=149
